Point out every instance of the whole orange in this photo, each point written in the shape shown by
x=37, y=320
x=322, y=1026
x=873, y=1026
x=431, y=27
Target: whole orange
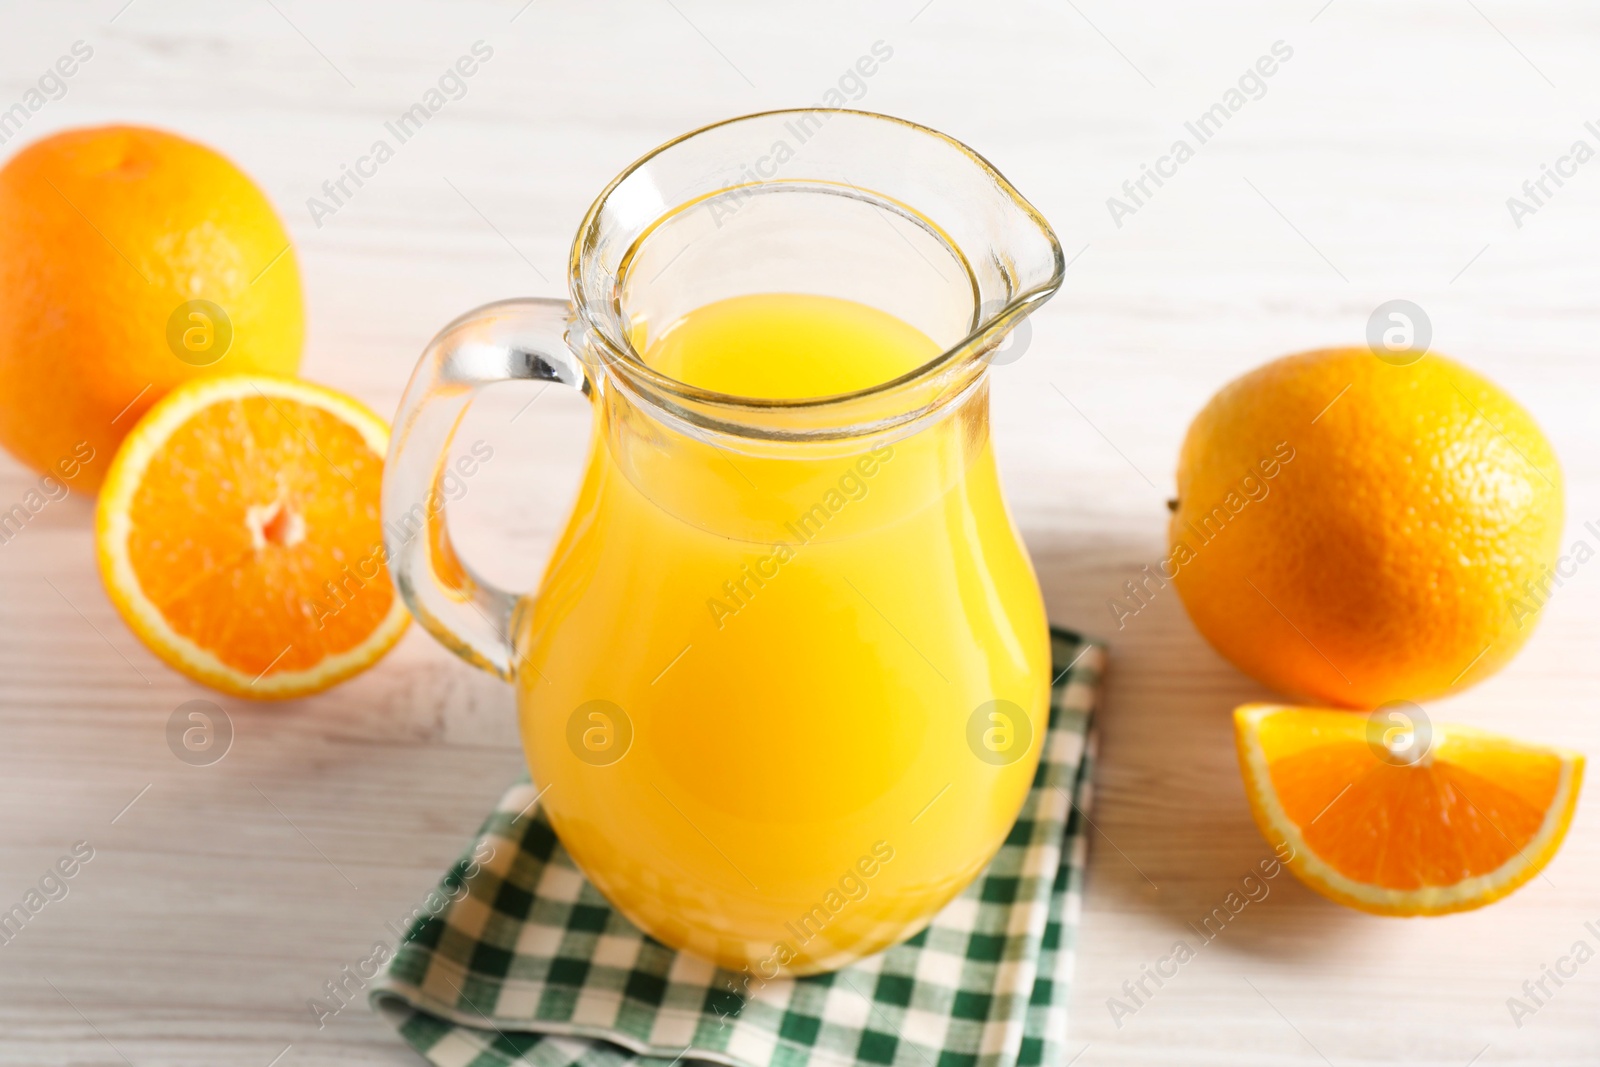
x=1352, y=531
x=131, y=261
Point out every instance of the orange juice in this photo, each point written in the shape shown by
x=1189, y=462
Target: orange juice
x=758, y=684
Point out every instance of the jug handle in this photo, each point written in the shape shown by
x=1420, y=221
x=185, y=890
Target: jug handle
x=511, y=340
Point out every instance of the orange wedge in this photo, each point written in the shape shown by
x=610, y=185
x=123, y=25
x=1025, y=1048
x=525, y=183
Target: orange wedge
x=1428, y=826
x=238, y=534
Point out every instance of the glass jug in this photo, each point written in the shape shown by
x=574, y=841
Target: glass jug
x=784, y=684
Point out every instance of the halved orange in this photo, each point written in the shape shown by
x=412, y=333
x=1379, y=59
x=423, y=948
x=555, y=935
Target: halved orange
x=1452, y=825
x=238, y=533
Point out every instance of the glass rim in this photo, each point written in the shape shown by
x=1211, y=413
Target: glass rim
x=619, y=353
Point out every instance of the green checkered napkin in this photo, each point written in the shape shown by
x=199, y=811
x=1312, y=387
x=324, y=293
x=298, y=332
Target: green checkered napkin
x=531, y=966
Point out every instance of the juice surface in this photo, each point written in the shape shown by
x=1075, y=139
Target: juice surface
x=787, y=346
x=749, y=678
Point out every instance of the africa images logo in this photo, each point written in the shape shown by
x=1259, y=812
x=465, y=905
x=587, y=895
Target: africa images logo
x=451, y=85
x=1251, y=85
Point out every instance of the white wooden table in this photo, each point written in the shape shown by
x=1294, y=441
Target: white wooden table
x=1375, y=165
